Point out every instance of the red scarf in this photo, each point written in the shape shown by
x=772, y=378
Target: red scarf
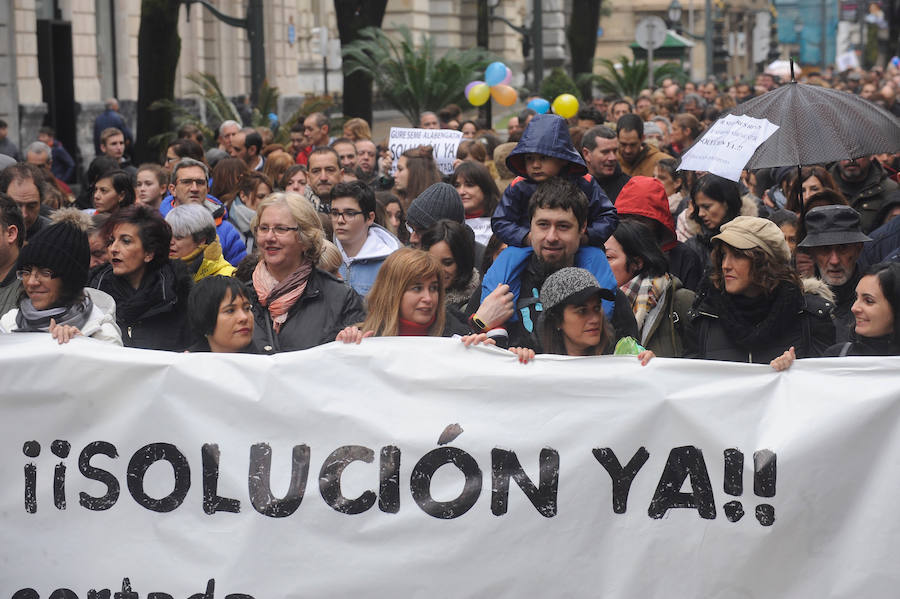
x=476, y=214
x=414, y=329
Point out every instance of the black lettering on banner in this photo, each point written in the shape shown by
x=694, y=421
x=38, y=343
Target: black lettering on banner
x=104, y=594
x=260, y=479
x=31, y=449
x=389, y=480
x=26, y=594
x=141, y=462
x=621, y=477
x=212, y=501
x=684, y=462
x=420, y=482
x=330, y=479
x=159, y=596
x=107, y=500
x=60, y=449
x=505, y=465
x=210, y=591
x=63, y=594
x=765, y=464
x=126, y=592
x=734, y=483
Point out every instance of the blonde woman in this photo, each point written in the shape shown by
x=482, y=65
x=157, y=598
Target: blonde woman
x=298, y=305
x=407, y=299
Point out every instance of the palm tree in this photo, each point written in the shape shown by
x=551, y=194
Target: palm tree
x=625, y=78
x=413, y=79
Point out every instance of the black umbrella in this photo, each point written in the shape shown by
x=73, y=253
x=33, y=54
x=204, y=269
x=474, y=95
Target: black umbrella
x=818, y=125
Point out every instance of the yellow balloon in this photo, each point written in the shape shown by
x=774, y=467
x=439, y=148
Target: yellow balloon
x=504, y=94
x=479, y=94
x=565, y=105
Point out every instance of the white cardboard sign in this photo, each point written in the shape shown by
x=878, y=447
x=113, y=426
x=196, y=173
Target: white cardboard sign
x=729, y=144
x=444, y=142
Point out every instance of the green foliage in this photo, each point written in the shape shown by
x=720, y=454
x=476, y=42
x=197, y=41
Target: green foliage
x=219, y=108
x=413, y=79
x=630, y=78
x=556, y=83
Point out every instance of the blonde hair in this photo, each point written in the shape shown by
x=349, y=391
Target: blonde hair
x=358, y=129
x=330, y=261
x=398, y=272
x=305, y=216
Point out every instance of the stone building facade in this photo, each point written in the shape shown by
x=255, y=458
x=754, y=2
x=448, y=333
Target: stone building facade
x=100, y=38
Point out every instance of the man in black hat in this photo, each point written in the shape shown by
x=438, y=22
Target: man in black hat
x=835, y=241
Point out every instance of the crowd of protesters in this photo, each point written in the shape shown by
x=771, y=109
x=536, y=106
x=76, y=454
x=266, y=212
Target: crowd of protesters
x=574, y=237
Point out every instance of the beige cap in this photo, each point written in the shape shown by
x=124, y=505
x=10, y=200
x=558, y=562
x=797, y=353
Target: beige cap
x=748, y=232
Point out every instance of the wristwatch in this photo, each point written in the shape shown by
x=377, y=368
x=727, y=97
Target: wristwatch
x=479, y=324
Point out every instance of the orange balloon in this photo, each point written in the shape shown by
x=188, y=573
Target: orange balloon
x=504, y=94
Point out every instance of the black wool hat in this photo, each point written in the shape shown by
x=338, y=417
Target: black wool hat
x=63, y=248
x=438, y=201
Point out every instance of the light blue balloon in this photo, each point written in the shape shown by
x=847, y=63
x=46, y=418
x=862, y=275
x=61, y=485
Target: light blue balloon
x=273, y=118
x=539, y=105
x=495, y=73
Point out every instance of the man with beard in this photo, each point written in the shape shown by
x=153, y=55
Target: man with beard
x=558, y=211
x=324, y=174
x=835, y=242
x=598, y=147
x=866, y=186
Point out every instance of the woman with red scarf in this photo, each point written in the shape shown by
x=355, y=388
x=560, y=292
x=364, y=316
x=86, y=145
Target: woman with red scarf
x=407, y=299
x=299, y=306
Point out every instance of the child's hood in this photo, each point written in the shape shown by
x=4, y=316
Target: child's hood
x=546, y=134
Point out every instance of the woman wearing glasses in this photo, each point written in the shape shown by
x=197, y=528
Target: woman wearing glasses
x=299, y=306
x=150, y=290
x=53, y=268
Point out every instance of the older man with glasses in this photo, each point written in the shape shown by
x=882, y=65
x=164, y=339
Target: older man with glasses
x=189, y=185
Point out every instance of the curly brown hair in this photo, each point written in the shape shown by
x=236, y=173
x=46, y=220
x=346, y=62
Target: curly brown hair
x=766, y=271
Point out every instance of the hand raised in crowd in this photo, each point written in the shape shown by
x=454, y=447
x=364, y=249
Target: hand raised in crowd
x=784, y=361
x=63, y=333
x=524, y=354
x=353, y=334
x=497, y=307
x=477, y=339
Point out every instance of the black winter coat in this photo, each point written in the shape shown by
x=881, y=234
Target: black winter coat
x=153, y=316
x=326, y=306
x=806, y=325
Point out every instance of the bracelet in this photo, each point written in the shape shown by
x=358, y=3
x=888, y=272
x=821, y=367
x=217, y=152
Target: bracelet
x=477, y=323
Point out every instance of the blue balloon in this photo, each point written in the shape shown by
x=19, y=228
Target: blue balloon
x=539, y=105
x=273, y=118
x=495, y=73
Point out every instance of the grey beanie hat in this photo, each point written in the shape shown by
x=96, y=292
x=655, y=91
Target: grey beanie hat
x=572, y=285
x=437, y=202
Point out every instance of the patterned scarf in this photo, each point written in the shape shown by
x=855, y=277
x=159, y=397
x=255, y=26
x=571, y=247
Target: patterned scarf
x=279, y=298
x=644, y=294
x=30, y=319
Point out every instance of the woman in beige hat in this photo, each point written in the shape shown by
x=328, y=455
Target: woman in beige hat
x=753, y=307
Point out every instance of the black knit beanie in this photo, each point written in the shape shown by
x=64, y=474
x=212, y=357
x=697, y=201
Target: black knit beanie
x=438, y=201
x=64, y=249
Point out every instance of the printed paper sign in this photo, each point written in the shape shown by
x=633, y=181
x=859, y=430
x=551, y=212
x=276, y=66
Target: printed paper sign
x=729, y=144
x=444, y=141
x=416, y=467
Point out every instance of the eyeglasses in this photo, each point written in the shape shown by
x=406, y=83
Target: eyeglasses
x=191, y=182
x=346, y=214
x=41, y=274
x=279, y=230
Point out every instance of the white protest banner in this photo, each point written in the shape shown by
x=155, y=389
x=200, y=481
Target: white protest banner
x=320, y=474
x=444, y=141
x=727, y=146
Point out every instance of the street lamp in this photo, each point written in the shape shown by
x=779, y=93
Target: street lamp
x=675, y=14
x=253, y=24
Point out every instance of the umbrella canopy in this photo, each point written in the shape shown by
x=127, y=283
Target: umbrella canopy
x=819, y=125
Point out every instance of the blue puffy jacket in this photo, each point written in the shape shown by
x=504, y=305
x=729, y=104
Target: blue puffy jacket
x=548, y=134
